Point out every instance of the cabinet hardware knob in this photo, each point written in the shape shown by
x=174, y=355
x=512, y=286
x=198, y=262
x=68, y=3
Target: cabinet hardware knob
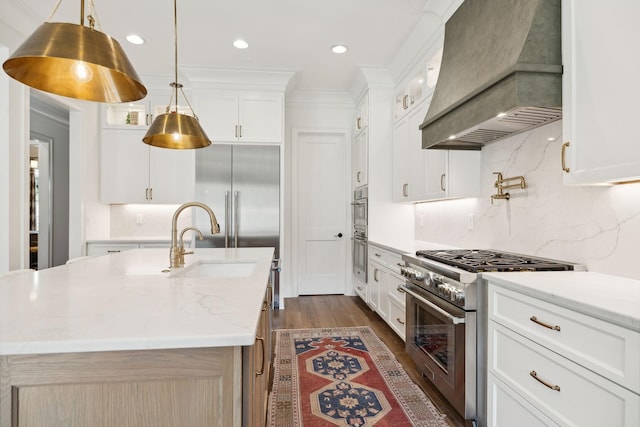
x=563, y=157
x=535, y=320
x=534, y=374
x=338, y=235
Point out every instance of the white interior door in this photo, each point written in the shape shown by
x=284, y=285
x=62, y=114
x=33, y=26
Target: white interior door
x=322, y=211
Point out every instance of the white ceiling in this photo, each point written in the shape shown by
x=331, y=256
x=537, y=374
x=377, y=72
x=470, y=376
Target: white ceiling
x=291, y=35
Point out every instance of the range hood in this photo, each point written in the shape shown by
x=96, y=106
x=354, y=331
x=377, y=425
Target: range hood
x=501, y=73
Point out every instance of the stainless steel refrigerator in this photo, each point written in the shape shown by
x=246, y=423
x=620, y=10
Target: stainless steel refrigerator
x=242, y=186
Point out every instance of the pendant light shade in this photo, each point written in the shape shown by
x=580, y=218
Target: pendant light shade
x=75, y=61
x=174, y=129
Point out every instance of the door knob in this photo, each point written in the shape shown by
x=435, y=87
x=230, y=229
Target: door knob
x=338, y=235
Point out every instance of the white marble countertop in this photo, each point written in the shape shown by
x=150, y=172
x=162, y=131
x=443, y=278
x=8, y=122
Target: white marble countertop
x=125, y=301
x=408, y=246
x=611, y=298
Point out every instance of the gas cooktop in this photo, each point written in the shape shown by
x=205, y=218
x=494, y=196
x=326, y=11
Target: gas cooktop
x=479, y=260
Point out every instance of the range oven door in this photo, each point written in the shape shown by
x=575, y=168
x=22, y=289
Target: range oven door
x=360, y=259
x=438, y=344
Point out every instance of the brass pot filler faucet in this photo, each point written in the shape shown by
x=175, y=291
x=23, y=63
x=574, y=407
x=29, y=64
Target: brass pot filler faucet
x=500, y=185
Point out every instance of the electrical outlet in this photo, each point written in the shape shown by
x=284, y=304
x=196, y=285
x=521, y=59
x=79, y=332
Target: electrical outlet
x=139, y=219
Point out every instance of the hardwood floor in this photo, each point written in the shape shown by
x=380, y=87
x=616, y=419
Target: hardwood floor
x=328, y=311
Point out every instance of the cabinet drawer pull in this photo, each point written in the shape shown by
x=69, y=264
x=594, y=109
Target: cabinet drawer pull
x=377, y=255
x=442, y=187
x=534, y=374
x=358, y=124
x=358, y=176
x=563, y=157
x=261, y=371
x=375, y=274
x=399, y=321
x=534, y=319
x=113, y=251
x=400, y=289
x=405, y=104
x=405, y=190
x=359, y=288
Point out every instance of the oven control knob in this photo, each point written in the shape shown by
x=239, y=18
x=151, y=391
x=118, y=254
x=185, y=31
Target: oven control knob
x=418, y=275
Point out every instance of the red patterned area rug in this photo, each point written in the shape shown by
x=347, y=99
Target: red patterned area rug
x=343, y=377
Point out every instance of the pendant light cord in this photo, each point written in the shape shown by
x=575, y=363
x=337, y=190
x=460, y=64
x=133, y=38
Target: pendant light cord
x=175, y=32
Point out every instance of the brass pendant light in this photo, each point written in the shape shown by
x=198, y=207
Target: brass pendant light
x=174, y=129
x=75, y=61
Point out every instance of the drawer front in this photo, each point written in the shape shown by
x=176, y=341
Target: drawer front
x=506, y=408
x=98, y=249
x=386, y=258
x=609, y=350
x=396, y=289
x=568, y=393
x=397, y=318
x=360, y=289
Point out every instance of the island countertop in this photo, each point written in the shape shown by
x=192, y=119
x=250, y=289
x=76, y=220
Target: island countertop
x=128, y=301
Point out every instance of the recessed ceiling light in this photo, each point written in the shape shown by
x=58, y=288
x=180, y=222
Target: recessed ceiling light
x=241, y=44
x=452, y=137
x=338, y=48
x=551, y=139
x=501, y=115
x=135, y=39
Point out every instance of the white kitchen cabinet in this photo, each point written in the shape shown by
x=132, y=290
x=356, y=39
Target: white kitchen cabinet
x=575, y=369
x=386, y=295
x=98, y=248
x=361, y=120
x=418, y=87
x=361, y=289
x=359, y=158
x=134, y=172
x=600, y=91
x=232, y=117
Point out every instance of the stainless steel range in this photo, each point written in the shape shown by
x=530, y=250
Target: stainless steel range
x=446, y=317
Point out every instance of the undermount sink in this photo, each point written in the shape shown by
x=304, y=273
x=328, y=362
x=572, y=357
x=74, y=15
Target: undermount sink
x=216, y=268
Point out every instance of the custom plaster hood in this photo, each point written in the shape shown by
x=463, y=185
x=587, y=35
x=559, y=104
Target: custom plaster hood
x=501, y=73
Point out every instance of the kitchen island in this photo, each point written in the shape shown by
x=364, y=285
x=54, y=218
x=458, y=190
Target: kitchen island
x=121, y=340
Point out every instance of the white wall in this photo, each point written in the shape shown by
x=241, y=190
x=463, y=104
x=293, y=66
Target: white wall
x=595, y=226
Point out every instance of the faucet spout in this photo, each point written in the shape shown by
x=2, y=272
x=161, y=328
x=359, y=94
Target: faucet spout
x=174, y=255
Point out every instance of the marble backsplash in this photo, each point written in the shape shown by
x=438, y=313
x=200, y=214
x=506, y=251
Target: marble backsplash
x=130, y=221
x=598, y=226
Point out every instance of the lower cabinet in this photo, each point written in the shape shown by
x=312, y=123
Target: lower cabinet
x=546, y=364
x=386, y=292
x=361, y=289
x=218, y=386
x=256, y=370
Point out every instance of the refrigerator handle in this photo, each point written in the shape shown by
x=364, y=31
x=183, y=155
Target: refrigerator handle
x=226, y=219
x=235, y=219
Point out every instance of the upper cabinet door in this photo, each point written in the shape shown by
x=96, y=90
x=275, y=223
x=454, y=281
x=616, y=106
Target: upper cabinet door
x=600, y=91
x=218, y=115
x=261, y=118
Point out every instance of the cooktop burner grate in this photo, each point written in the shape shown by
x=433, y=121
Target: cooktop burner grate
x=478, y=260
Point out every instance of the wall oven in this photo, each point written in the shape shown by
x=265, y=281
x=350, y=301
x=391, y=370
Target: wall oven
x=359, y=238
x=446, y=318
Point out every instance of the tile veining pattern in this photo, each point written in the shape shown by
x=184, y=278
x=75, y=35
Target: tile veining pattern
x=598, y=226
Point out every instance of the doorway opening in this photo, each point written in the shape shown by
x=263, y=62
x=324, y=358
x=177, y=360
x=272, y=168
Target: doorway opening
x=40, y=186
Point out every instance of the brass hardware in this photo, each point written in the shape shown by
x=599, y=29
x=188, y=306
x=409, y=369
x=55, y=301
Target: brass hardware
x=534, y=374
x=174, y=129
x=375, y=274
x=359, y=288
x=404, y=102
x=399, y=321
x=358, y=176
x=442, y=187
x=174, y=252
x=534, y=319
x=76, y=61
x=150, y=193
x=377, y=255
x=358, y=124
x=264, y=359
x=400, y=289
x=405, y=190
x=563, y=156
x=500, y=185
x=240, y=133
